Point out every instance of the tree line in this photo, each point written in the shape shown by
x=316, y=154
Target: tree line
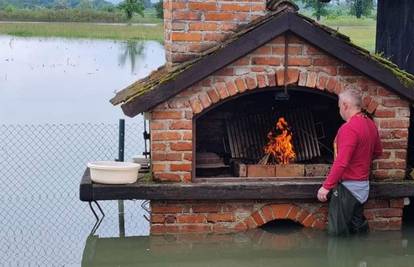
x=357, y=8
x=317, y=8
x=129, y=7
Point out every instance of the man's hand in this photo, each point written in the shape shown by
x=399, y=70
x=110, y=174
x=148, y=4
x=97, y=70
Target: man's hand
x=323, y=194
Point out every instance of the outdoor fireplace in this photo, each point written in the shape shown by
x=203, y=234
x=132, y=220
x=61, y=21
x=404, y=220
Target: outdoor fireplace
x=231, y=139
x=233, y=70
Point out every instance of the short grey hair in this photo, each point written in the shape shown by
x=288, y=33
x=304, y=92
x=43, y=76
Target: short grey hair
x=352, y=96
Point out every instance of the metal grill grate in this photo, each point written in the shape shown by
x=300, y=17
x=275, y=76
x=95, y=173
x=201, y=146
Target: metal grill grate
x=247, y=135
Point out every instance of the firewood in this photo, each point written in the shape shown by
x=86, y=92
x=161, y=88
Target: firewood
x=265, y=159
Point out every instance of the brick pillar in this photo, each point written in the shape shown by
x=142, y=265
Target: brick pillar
x=192, y=26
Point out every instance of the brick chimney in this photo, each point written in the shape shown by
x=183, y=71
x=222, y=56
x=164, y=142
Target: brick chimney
x=192, y=26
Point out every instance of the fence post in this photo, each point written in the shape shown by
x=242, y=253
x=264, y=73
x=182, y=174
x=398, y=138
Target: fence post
x=121, y=155
x=121, y=144
x=146, y=136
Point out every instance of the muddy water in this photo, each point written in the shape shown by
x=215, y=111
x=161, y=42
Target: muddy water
x=300, y=247
x=55, y=80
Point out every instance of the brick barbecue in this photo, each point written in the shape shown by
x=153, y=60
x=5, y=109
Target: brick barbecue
x=233, y=68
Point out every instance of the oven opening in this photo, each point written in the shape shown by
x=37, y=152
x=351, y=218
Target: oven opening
x=263, y=135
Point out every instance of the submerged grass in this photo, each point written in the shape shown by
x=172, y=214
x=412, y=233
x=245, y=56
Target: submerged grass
x=361, y=31
x=84, y=30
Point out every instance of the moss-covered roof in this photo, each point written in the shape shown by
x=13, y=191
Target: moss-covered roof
x=163, y=76
x=407, y=79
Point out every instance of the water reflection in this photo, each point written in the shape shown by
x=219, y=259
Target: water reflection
x=133, y=51
x=56, y=80
x=254, y=248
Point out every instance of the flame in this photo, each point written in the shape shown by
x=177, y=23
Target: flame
x=280, y=145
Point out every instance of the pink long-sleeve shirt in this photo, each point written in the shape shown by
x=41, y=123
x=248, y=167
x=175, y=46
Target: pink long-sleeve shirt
x=357, y=143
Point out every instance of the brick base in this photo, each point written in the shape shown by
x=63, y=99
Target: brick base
x=236, y=216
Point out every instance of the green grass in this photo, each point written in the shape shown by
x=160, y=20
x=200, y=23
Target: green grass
x=84, y=30
x=363, y=36
x=150, y=16
x=348, y=21
x=361, y=31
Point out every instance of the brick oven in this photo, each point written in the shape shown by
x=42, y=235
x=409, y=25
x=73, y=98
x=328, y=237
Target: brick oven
x=233, y=70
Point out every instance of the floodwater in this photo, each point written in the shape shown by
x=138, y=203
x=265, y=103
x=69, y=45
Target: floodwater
x=60, y=88
x=55, y=116
x=55, y=80
x=299, y=247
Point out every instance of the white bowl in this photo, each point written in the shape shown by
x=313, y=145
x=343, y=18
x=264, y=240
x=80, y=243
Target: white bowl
x=114, y=172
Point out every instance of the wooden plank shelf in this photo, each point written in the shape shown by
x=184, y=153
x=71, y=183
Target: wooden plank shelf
x=229, y=189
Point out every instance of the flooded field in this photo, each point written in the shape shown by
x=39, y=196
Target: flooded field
x=54, y=80
x=55, y=117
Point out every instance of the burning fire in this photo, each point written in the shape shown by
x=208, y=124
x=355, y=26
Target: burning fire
x=280, y=143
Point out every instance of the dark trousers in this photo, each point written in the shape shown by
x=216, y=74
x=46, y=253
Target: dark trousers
x=346, y=213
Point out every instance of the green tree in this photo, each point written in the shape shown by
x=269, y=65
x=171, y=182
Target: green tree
x=160, y=9
x=132, y=6
x=319, y=8
x=361, y=8
x=9, y=8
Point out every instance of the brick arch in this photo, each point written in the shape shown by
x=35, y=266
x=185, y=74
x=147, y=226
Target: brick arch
x=280, y=212
x=223, y=90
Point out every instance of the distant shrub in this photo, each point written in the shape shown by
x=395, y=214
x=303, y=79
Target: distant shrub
x=337, y=11
x=9, y=8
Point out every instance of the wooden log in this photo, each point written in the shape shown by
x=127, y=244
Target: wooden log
x=290, y=170
x=265, y=159
x=258, y=170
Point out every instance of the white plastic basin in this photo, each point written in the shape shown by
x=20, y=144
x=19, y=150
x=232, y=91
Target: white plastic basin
x=114, y=172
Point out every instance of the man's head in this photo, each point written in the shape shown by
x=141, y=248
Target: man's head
x=350, y=103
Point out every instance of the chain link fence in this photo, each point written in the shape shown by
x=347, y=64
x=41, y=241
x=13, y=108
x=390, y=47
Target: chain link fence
x=43, y=222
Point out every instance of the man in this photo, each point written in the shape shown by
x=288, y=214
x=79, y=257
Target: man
x=356, y=144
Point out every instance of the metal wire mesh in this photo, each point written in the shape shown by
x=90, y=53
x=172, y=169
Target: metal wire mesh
x=43, y=222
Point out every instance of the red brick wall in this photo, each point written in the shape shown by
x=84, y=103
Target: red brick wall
x=235, y=216
x=171, y=122
x=192, y=26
